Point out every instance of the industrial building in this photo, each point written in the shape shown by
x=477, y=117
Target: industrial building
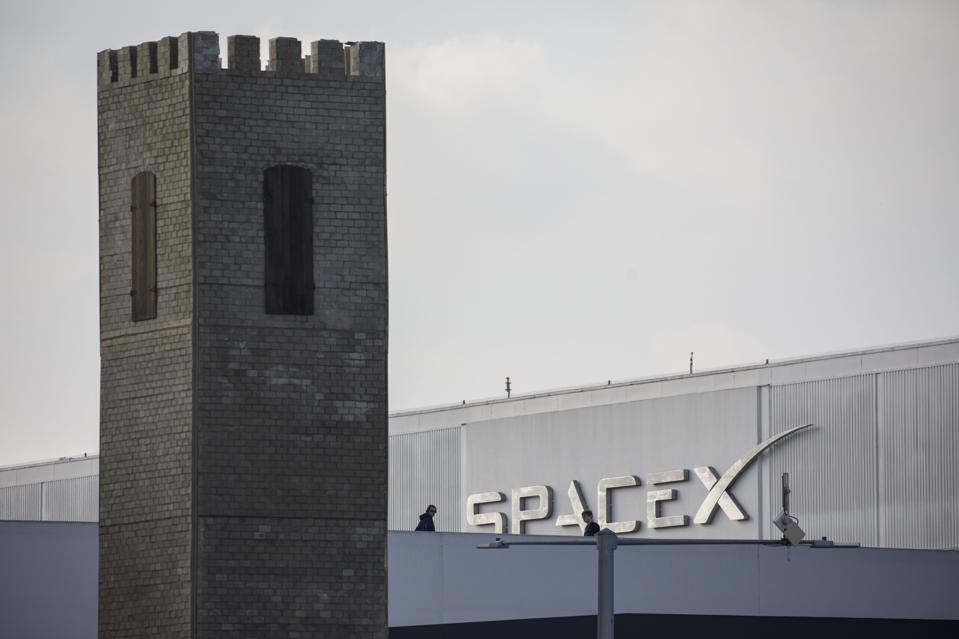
x=879, y=465
x=869, y=439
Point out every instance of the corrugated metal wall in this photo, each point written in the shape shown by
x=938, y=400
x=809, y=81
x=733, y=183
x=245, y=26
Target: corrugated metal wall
x=919, y=457
x=20, y=502
x=882, y=466
x=832, y=468
x=73, y=499
x=425, y=468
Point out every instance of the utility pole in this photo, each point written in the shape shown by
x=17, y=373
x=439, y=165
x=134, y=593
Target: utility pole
x=606, y=543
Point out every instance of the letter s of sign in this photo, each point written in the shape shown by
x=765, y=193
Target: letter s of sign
x=473, y=518
x=718, y=490
x=542, y=511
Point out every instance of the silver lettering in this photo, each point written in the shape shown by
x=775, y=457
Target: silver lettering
x=605, y=499
x=654, y=497
x=545, y=496
x=495, y=519
x=708, y=477
x=578, y=504
x=718, y=488
x=717, y=496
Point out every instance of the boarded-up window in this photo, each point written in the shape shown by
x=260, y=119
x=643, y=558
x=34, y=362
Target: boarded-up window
x=143, y=292
x=288, y=235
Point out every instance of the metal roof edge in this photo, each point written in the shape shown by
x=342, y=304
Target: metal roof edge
x=571, y=390
x=50, y=462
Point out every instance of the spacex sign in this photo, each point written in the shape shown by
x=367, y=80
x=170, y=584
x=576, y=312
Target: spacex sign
x=718, y=497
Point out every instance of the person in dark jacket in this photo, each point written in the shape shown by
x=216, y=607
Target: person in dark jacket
x=426, y=520
x=591, y=526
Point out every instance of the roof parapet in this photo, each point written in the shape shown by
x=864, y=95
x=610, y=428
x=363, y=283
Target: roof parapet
x=366, y=59
x=206, y=50
x=168, y=56
x=327, y=58
x=243, y=53
x=200, y=51
x=285, y=55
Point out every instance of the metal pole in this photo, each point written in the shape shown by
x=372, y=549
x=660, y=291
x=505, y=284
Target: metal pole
x=786, y=492
x=606, y=542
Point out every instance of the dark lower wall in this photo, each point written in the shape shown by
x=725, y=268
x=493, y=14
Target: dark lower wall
x=442, y=578
x=685, y=626
x=48, y=590
x=48, y=580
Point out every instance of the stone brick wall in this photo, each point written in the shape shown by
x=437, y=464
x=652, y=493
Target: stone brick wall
x=146, y=416
x=288, y=441
x=292, y=414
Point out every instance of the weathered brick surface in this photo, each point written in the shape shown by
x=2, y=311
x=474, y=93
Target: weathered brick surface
x=146, y=367
x=259, y=438
x=291, y=422
x=303, y=577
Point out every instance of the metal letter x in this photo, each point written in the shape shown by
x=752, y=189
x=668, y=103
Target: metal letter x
x=709, y=478
x=717, y=488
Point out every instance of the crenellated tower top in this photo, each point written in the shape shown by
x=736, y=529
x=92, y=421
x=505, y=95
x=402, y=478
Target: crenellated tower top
x=200, y=51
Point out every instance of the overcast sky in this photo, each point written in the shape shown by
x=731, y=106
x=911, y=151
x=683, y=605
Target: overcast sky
x=577, y=191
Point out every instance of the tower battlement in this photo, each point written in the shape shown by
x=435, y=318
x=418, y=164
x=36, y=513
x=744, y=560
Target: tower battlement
x=200, y=50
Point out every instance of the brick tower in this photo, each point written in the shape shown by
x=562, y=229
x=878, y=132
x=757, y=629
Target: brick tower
x=243, y=339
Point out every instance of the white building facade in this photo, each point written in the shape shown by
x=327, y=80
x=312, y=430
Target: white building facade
x=65, y=489
x=697, y=455
x=879, y=464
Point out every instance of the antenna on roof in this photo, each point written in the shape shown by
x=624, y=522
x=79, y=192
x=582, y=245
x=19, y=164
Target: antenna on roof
x=786, y=491
x=690, y=362
x=786, y=523
x=507, y=388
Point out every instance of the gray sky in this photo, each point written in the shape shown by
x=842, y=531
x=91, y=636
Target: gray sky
x=577, y=192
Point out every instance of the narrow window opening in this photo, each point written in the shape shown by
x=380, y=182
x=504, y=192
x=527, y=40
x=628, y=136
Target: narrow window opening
x=288, y=239
x=143, y=291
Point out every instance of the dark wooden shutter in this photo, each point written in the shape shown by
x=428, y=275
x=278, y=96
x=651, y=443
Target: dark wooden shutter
x=288, y=235
x=144, y=239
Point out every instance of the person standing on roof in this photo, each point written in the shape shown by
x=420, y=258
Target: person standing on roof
x=426, y=520
x=591, y=526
